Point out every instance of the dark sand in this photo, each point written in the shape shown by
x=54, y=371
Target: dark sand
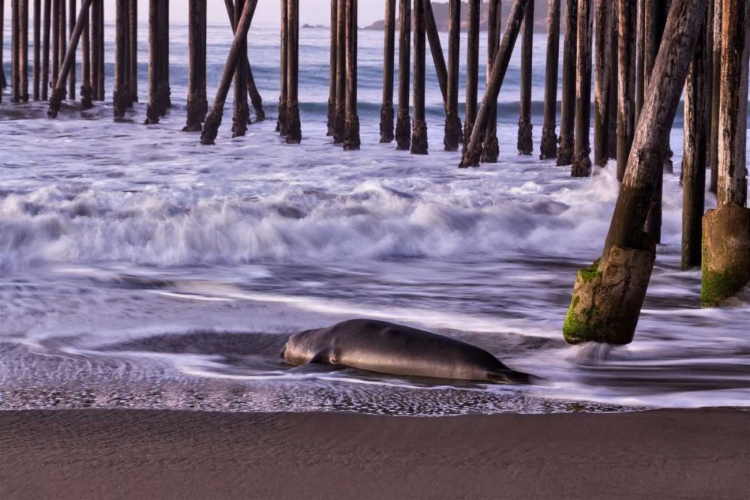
x=103, y=454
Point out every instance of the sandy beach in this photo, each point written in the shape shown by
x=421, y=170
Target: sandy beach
x=93, y=454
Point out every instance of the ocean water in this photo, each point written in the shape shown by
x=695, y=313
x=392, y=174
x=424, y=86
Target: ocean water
x=141, y=269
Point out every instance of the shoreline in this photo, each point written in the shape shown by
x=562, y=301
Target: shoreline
x=179, y=454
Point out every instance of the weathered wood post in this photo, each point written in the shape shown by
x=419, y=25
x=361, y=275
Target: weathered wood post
x=726, y=230
x=333, y=55
x=202, y=102
x=525, y=141
x=96, y=6
x=2, y=37
x=626, y=55
x=15, y=56
x=340, y=115
x=196, y=55
x=716, y=94
x=164, y=85
x=419, y=125
x=453, y=127
x=613, y=86
x=213, y=120
x=37, y=79
x=491, y=148
x=608, y=296
x=472, y=68
x=63, y=32
x=72, y=91
x=45, y=49
x=24, y=41
x=568, y=106
x=294, y=128
x=697, y=127
x=548, y=147
x=69, y=62
x=154, y=107
x=121, y=94
x=473, y=152
x=281, y=123
x=133, y=51
x=86, y=93
x=55, y=42
x=241, y=111
x=403, y=120
x=351, y=124
x=602, y=79
x=640, y=69
x=102, y=66
x=389, y=47
x=581, y=161
x=436, y=49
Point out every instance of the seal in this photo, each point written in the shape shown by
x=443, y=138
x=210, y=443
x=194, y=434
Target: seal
x=383, y=347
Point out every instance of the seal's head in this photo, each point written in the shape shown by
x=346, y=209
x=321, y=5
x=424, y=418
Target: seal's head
x=300, y=348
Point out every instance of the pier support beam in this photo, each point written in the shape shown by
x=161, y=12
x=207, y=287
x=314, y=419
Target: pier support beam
x=568, y=107
x=241, y=111
x=472, y=69
x=281, y=123
x=386, y=109
x=403, y=120
x=133, y=51
x=213, y=120
x=196, y=102
x=581, y=161
x=154, y=107
x=37, y=79
x=726, y=248
x=491, y=148
x=2, y=38
x=473, y=151
x=96, y=6
x=548, y=147
x=15, y=55
x=252, y=89
x=351, y=124
x=436, y=49
x=55, y=42
x=602, y=80
x=525, y=141
x=716, y=93
x=45, y=83
x=626, y=76
x=294, y=128
x=164, y=85
x=453, y=128
x=72, y=90
x=333, y=61
x=86, y=93
x=121, y=95
x=608, y=296
x=69, y=62
x=419, y=127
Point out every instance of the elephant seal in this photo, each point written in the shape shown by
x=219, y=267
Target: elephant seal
x=392, y=349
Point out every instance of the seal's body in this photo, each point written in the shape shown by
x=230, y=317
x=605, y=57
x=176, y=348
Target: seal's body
x=384, y=347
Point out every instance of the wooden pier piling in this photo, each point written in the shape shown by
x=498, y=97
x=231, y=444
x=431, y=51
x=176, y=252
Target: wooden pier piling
x=68, y=64
x=568, y=106
x=602, y=80
x=491, y=148
x=86, y=93
x=626, y=88
x=387, y=111
x=453, y=127
x=436, y=49
x=581, y=161
x=403, y=120
x=716, y=94
x=96, y=6
x=2, y=38
x=45, y=83
x=154, y=107
x=164, y=86
x=472, y=68
x=24, y=41
x=419, y=144
x=37, y=78
x=281, y=123
x=241, y=114
x=121, y=95
x=294, y=128
x=548, y=147
x=351, y=123
x=525, y=140
x=133, y=51
x=196, y=70
x=55, y=42
x=72, y=91
x=252, y=89
x=15, y=56
x=333, y=61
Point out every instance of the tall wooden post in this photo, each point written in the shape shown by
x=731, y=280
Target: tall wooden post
x=568, y=107
x=121, y=94
x=472, y=68
x=697, y=127
x=133, y=51
x=436, y=49
x=166, y=92
x=602, y=79
x=154, y=107
x=716, y=94
x=202, y=102
x=613, y=86
x=37, y=49
x=473, y=152
x=86, y=94
x=581, y=161
x=45, y=83
x=96, y=6
x=252, y=89
x=419, y=126
x=241, y=111
x=453, y=130
x=333, y=56
x=626, y=55
x=608, y=296
x=525, y=141
x=389, y=47
x=640, y=69
x=351, y=125
x=102, y=48
x=548, y=148
x=69, y=61
x=726, y=230
x=15, y=53
x=281, y=124
x=24, y=41
x=339, y=121
x=72, y=23
x=2, y=37
x=213, y=120
x=63, y=32
x=55, y=42
x=294, y=128
x=196, y=14
x=403, y=120
x=491, y=148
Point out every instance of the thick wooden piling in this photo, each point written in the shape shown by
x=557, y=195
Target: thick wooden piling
x=24, y=41
x=63, y=32
x=241, y=114
x=640, y=69
x=453, y=129
x=281, y=124
x=581, y=161
x=351, y=124
x=419, y=126
x=86, y=93
x=472, y=68
x=213, y=120
x=2, y=38
x=121, y=94
x=716, y=94
x=102, y=64
x=403, y=120
x=602, y=80
x=608, y=296
x=697, y=127
x=45, y=83
x=72, y=91
x=568, y=105
x=68, y=64
x=55, y=42
x=133, y=51
x=202, y=39
x=340, y=108
x=473, y=152
x=548, y=147
x=389, y=47
x=252, y=89
x=491, y=148
x=37, y=78
x=294, y=128
x=196, y=56
x=333, y=57
x=613, y=86
x=166, y=92
x=436, y=49
x=15, y=55
x=626, y=55
x=154, y=107
x=96, y=6
x=525, y=141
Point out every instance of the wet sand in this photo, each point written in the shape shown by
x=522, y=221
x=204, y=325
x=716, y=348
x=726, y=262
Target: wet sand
x=103, y=454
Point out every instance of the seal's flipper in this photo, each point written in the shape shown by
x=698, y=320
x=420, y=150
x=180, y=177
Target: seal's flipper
x=511, y=377
x=320, y=358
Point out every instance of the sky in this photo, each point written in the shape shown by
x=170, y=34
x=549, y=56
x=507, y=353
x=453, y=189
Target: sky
x=311, y=11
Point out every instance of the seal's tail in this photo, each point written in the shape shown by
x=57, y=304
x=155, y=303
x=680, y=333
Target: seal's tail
x=512, y=377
